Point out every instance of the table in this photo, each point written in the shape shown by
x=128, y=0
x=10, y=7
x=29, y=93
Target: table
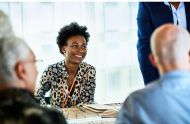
x=80, y=115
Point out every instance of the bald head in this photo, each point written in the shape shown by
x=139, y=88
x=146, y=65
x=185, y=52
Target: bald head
x=170, y=47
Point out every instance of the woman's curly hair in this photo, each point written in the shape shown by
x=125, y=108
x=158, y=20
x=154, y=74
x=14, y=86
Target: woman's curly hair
x=70, y=30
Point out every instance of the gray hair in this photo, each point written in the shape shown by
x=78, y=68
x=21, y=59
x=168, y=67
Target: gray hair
x=12, y=50
x=5, y=26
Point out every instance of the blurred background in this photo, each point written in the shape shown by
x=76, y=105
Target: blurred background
x=111, y=49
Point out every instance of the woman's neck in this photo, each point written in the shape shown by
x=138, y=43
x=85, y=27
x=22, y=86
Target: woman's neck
x=71, y=68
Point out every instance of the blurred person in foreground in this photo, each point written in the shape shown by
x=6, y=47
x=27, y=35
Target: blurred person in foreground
x=17, y=82
x=5, y=26
x=71, y=81
x=166, y=100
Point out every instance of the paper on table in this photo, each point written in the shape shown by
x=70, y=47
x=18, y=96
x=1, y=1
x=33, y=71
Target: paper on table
x=110, y=113
x=98, y=108
x=104, y=111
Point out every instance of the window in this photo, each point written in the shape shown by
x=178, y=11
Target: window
x=112, y=45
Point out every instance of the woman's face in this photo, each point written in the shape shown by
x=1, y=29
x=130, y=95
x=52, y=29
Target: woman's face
x=75, y=50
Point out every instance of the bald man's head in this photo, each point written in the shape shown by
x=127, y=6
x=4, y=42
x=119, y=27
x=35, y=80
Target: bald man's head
x=170, y=47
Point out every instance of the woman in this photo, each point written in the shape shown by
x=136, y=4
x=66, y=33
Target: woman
x=71, y=81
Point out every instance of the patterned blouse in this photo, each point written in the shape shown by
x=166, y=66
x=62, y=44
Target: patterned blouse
x=55, y=78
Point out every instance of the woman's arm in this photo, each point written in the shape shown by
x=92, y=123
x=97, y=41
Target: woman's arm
x=89, y=86
x=45, y=86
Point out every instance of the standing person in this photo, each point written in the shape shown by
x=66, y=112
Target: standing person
x=71, y=80
x=150, y=16
x=166, y=100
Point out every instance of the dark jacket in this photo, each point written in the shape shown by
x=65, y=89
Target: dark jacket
x=150, y=16
x=18, y=106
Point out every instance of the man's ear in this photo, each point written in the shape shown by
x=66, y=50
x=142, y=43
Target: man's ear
x=20, y=70
x=152, y=60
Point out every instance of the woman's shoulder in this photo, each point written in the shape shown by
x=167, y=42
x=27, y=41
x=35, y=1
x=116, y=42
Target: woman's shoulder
x=86, y=65
x=57, y=65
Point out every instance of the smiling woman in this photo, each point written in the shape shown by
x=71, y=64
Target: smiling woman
x=75, y=50
x=71, y=80
x=111, y=50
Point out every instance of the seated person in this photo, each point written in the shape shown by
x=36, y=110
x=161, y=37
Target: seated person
x=5, y=26
x=17, y=84
x=166, y=100
x=71, y=80
x=17, y=81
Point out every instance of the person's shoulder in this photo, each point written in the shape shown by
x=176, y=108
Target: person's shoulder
x=145, y=95
x=86, y=65
x=28, y=111
x=151, y=3
x=43, y=115
x=187, y=3
x=56, y=115
x=57, y=65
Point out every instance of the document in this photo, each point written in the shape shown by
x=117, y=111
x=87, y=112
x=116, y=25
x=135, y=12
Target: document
x=104, y=111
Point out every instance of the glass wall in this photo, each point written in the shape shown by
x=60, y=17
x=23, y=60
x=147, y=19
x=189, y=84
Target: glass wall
x=112, y=45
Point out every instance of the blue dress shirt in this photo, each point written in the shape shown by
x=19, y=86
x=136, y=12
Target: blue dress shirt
x=178, y=14
x=165, y=101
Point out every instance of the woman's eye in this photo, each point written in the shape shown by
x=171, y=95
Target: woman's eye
x=75, y=46
x=83, y=47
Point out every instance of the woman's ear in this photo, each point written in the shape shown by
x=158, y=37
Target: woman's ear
x=152, y=60
x=63, y=49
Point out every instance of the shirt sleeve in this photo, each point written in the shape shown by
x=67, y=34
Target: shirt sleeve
x=125, y=114
x=89, y=87
x=132, y=111
x=45, y=86
x=145, y=29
